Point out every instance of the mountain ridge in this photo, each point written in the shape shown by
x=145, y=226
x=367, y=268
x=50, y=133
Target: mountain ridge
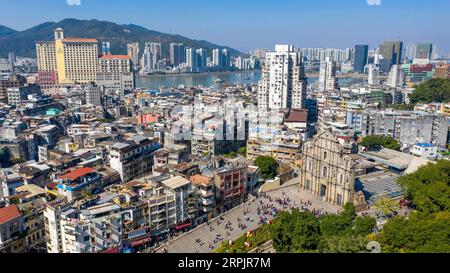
x=22, y=43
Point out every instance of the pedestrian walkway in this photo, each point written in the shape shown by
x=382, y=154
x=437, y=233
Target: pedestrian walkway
x=231, y=225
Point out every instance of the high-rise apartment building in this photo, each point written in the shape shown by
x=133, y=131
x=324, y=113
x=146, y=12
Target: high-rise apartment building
x=216, y=57
x=69, y=60
x=202, y=56
x=283, y=83
x=423, y=51
x=157, y=54
x=361, y=57
x=392, y=50
x=116, y=73
x=225, y=63
x=191, y=59
x=133, y=53
x=327, y=77
x=177, y=54
x=106, y=48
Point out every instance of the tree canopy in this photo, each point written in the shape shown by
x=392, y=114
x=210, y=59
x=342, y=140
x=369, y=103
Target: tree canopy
x=429, y=187
x=268, y=166
x=304, y=232
x=376, y=142
x=434, y=90
x=427, y=229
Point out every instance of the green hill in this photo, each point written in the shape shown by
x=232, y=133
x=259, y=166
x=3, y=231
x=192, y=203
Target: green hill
x=22, y=43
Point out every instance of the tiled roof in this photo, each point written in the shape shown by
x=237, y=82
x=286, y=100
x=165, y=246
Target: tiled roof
x=9, y=213
x=77, y=173
x=297, y=116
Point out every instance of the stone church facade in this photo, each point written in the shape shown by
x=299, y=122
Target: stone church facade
x=326, y=171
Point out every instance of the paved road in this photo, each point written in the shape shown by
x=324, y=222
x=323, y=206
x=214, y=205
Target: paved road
x=203, y=239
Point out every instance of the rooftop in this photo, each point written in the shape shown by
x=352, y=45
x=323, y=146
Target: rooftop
x=77, y=173
x=297, y=116
x=80, y=40
x=9, y=213
x=379, y=185
x=176, y=182
x=391, y=158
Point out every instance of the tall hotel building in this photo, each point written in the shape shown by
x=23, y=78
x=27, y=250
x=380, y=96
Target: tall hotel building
x=67, y=60
x=283, y=83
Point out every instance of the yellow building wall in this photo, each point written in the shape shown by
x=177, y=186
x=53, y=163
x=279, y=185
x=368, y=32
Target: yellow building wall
x=60, y=62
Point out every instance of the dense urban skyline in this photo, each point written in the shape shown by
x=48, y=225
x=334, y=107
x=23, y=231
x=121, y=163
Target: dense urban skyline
x=254, y=24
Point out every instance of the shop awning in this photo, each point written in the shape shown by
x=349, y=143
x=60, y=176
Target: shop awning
x=141, y=242
x=183, y=226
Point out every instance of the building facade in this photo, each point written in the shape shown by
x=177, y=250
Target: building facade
x=72, y=60
x=283, y=84
x=327, y=172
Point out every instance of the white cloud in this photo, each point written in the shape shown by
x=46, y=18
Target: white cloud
x=374, y=2
x=73, y=2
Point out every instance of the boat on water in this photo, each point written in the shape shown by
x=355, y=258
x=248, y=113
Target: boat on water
x=219, y=81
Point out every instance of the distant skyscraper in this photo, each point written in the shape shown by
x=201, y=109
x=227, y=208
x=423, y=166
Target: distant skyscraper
x=192, y=59
x=410, y=51
x=177, y=53
x=106, y=48
x=202, y=56
x=11, y=58
x=423, y=51
x=283, y=83
x=392, y=50
x=157, y=54
x=225, y=63
x=327, y=78
x=147, y=60
x=133, y=53
x=216, y=57
x=361, y=57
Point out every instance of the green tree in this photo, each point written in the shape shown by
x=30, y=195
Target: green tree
x=295, y=232
x=434, y=90
x=419, y=233
x=364, y=225
x=268, y=166
x=429, y=187
x=376, y=142
x=338, y=224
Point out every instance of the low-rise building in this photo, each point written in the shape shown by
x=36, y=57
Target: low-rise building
x=134, y=157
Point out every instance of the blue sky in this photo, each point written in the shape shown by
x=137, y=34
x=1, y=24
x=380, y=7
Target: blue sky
x=246, y=24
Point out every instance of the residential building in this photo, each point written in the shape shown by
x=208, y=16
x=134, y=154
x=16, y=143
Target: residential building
x=177, y=54
x=133, y=54
x=361, y=58
x=425, y=150
x=11, y=227
x=327, y=78
x=134, y=157
x=283, y=83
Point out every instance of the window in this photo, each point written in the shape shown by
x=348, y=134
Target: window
x=325, y=171
x=325, y=155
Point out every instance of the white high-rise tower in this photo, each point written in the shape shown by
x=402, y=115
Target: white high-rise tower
x=327, y=78
x=283, y=84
